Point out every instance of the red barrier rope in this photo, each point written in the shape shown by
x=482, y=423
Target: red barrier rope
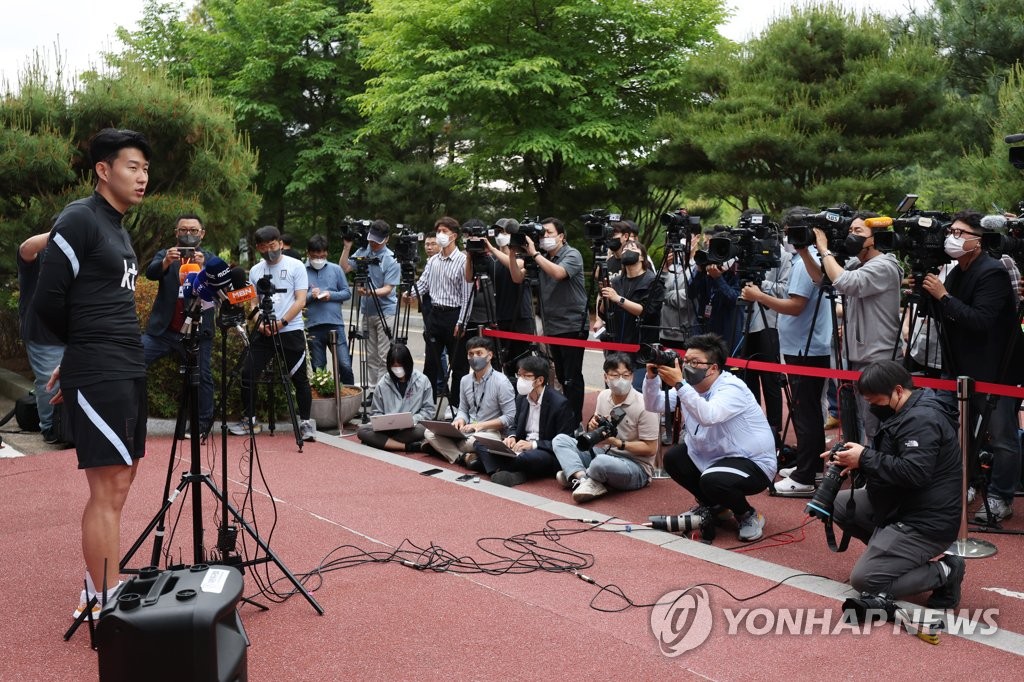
x=821, y=373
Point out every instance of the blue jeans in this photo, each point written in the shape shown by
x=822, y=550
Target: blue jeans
x=43, y=358
x=615, y=472
x=156, y=347
x=319, y=340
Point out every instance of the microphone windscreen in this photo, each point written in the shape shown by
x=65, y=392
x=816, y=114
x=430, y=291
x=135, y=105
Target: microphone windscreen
x=185, y=269
x=993, y=222
x=875, y=223
x=218, y=272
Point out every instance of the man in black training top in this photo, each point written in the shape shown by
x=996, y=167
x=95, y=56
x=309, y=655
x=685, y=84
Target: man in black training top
x=86, y=297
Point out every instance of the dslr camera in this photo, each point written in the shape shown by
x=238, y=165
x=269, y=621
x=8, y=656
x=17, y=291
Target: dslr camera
x=657, y=354
x=834, y=222
x=700, y=520
x=824, y=499
x=607, y=427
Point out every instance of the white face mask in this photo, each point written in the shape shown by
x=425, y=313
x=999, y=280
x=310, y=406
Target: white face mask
x=317, y=263
x=443, y=240
x=789, y=247
x=548, y=243
x=954, y=246
x=502, y=240
x=399, y=372
x=620, y=387
x=524, y=385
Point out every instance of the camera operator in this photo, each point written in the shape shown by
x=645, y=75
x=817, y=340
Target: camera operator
x=289, y=275
x=870, y=282
x=513, y=309
x=623, y=461
x=805, y=338
x=716, y=289
x=909, y=509
x=328, y=291
x=677, y=313
x=486, y=406
x=977, y=312
x=729, y=449
x=623, y=305
x=402, y=389
x=560, y=270
x=163, y=330
x=443, y=279
x=382, y=279
x=541, y=414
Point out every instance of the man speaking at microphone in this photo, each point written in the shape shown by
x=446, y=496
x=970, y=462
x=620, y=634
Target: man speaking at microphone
x=870, y=283
x=163, y=334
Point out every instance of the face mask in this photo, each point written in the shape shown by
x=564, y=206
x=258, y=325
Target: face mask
x=502, y=240
x=548, y=244
x=954, y=247
x=620, y=386
x=478, y=362
x=399, y=372
x=630, y=258
x=883, y=412
x=695, y=375
x=524, y=385
x=189, y=240
x=614, y=244
x=272, y=255
x=854, y=244
x=789, y=247
x=317, y=263
x=443, y=240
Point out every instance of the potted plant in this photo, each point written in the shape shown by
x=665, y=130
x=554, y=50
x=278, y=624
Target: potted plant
x=324, y=409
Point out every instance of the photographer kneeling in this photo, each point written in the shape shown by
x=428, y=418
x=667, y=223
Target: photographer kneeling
x=909, y=509
x=729, y=448
x=623, y=459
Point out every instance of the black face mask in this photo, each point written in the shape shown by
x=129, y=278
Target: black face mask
x=189, y=240
x=614, y=244
x=883, y=412
x=630, y=258
x=854, y=244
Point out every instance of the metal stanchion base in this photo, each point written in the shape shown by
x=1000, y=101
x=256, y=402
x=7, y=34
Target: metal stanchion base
x=660, y=473
x=972, y=548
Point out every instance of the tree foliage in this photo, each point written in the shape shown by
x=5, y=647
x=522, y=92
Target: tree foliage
x=823, y=107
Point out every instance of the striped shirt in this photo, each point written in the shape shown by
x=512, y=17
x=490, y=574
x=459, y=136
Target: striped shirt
x=444, y=278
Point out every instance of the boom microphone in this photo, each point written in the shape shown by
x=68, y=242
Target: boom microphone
x=881, y=221
x=1013, y=139
x=994, y=222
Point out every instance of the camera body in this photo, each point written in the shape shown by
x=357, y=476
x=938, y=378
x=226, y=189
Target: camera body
x=834, y=222
x=920, y=237
x=679, y=225
x=607, y=427
x=1009, y=244
x=519, y=231
x=824, y=499
x=406, y=245
x=597, y=226
x=265, y=289
x=354, y=230
x=753, y=244
x=657, y=354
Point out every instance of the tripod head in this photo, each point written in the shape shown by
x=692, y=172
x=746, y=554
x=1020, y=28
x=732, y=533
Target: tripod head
x=265, y=289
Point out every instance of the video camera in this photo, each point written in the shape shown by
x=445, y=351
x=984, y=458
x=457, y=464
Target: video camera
x=598, y=229
x=607, y=427
x=834, y=222
x=353, y=230
x=1009, y=244
x=406, y=245
x=474, y=232
x=918, y=236
x=680, y=225
x=265, y=289
x=519, y=231
x=753, y=244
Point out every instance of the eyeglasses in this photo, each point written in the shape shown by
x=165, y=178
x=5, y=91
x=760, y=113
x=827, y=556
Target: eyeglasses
x=619, y=376
x=695, y=363
x=190, y=230
x=957, y=233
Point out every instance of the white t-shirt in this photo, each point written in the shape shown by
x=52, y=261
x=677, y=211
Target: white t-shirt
x=288, y=274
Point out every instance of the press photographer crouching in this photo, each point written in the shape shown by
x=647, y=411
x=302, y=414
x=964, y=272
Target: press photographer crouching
x=728, y=451
x=400, y=389
x=909, y=509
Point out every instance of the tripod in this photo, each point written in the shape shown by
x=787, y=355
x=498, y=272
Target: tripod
x=360, y=337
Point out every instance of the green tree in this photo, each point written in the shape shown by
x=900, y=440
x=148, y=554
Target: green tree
x=545, y=96
x=823, y=107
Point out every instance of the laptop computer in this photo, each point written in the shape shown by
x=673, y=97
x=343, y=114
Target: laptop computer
x=440, y=428
x=391, y=422
x=494, y=446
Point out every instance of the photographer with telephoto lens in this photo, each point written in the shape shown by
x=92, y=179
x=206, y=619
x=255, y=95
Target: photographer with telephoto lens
x=728, y=453
x=909, y=508
x=624, y=457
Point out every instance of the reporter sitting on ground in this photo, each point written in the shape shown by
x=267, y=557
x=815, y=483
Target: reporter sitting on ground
x=729, y=448
x=541, y=414
x=400, y=389
x=909, y=509
x=486, y=406
x=626, y=460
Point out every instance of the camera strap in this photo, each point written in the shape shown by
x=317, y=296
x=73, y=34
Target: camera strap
x=830, y=534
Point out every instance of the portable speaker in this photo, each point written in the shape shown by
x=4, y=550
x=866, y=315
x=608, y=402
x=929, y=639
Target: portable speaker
x=174, y=625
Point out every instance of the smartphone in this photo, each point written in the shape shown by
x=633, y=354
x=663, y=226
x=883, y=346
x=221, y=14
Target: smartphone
x=465, y=477
x=186, y=252
x=431, y=472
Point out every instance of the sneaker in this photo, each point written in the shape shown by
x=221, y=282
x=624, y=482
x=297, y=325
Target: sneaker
x=307, y=430
x=788, y=486
x=83, y=602
x=245, y=427
x=565, y=482
x=1000, y=511
x=751, y=526
x=508, y=478
x=970, y=495
x=587, y=490
x=948, y=596
x=50, y=438
x=787, y=472
x=831, y=423
x=723, y=515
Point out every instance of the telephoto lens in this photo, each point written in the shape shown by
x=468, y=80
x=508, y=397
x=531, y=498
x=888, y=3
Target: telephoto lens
x=824, y=498
x=700, y=520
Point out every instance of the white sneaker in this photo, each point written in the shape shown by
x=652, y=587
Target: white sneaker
x=307, y=430
x=787, y=472
x=970, y=495
x=788, y=486
x=751, y=526
x=587, y=490
x=1000, y=511
x=244, y=427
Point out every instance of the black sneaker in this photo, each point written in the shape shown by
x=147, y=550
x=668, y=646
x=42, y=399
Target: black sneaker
x=50, y=438
x=948, y=596
x=508, y=478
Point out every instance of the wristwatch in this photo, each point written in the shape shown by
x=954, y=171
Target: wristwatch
x=622, y=446
x=827, y=254
x=622, y=300
x=679, y=385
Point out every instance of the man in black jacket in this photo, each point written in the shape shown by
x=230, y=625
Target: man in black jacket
x=540, y=416
x=909, y=510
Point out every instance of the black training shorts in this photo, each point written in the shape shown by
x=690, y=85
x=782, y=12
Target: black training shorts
x=108, y=421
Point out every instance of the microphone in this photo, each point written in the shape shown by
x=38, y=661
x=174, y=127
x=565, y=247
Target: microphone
x=994, y=222
x=186, y=269
x=238, y=290
x=881, y=221
x=218, y=272
x=1013, y=139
